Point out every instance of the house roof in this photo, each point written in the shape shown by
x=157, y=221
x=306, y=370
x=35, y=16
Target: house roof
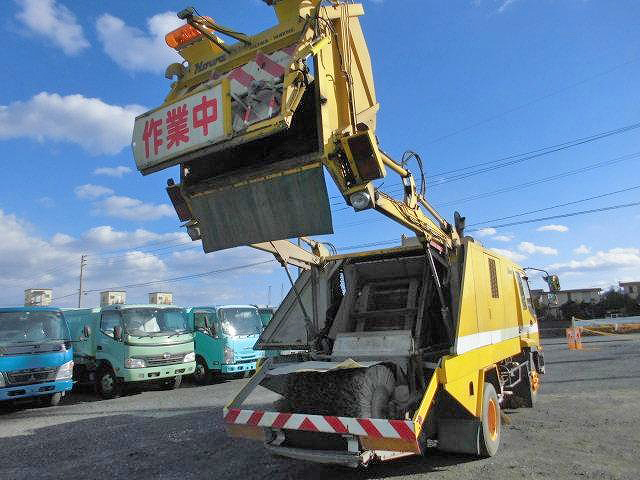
x=577, y=290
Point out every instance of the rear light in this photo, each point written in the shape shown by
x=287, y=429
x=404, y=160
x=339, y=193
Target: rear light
x=181, y=36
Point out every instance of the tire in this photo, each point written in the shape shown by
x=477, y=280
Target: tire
x=202, y=374
x=358, y=392
x=527, y=390
x=53, y=400
x=107, y=383
x=491, y=422
x=172, y=383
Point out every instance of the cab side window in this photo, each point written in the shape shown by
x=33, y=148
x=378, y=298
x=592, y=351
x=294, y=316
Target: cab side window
x=108, y=321
x=200, y=322
x=526, y=293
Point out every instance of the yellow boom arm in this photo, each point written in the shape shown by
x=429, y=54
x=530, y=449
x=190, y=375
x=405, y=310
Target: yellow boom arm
x=264, y=116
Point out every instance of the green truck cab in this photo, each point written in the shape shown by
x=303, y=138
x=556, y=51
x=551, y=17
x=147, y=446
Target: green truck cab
x=132, y=345
x=224, y=340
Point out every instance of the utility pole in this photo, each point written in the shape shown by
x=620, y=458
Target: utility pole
x=83, y=263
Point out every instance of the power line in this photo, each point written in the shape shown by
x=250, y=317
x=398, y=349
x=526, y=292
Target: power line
x=564, y=215
x=568, y=173
x=555, y=206
x=533, y=220
x=515, y=158
x=184, y=277
x=530, y=102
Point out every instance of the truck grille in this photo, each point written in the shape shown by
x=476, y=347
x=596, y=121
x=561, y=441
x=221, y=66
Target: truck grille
x=31, y=375
x=166, y=359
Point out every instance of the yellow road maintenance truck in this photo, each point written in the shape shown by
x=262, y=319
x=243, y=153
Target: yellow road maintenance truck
x=407, y=348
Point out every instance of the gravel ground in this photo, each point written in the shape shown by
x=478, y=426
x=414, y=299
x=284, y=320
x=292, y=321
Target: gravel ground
x=586, y=425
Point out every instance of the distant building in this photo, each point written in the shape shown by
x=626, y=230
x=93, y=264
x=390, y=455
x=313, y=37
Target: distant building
x=631, y=288
x=112, y=297
x=579, y=295
x=38, y=297
x=161, y=298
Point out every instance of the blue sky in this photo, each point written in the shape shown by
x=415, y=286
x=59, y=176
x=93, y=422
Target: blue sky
x=460, y=82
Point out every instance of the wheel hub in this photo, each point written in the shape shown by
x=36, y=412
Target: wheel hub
x=535, y=381
x=492, y=419
x=107, y=383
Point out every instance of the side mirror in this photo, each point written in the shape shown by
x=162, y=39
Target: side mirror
x=117, y=332
x=86, y=332
x=554, y=283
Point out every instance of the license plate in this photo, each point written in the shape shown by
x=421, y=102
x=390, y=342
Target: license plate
x=184, y=126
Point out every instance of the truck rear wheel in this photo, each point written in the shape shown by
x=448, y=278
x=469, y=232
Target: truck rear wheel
x=202, y=374
x=491, y=422
x=107, y=383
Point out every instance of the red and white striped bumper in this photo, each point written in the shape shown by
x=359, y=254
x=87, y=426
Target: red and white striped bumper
x=375, y=434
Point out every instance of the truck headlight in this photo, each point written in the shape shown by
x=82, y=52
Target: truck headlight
x=228, y=356
x=65, y=371
x=190, y=357
x=2, y=382
x=135, y=363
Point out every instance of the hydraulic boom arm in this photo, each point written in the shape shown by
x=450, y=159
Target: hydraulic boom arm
x=265, y=115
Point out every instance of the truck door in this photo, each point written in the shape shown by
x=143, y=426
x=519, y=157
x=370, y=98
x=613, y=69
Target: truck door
x=108, y=348
x=208, y=344
x=490, y=298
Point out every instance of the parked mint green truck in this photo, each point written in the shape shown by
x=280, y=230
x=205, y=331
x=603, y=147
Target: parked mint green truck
x=131, y=346
x=224, y=340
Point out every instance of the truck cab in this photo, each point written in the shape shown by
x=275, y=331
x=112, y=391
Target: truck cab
x=132, y=345
x=36, y=356
x=224, y=340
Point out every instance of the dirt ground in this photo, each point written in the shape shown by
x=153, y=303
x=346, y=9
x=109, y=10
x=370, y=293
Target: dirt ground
x=586, y=425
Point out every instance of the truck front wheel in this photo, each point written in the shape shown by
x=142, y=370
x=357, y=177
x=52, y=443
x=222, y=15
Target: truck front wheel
x=107, y=383
x=202, y=374
x=171, y=383
x=55, y=399
x=491, y=422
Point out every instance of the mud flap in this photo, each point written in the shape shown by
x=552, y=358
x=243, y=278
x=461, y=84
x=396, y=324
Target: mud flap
x=285, y=206
x=457, y=435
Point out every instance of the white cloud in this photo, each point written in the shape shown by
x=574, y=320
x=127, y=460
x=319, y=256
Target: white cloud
x=553, y=228
x=27, y=260
x=55, y=22
x=98, y=127
x=531, y=248
x=91, y=192
x=582, y=250
x=133, y=49
x=117, y=172
x=505, y=4
x=485, y=232
x=132, y=209
x=62, y=239
x=613, y=259
x=47, y=202
x=105, y=236
x=515, y=256
x=502, y=238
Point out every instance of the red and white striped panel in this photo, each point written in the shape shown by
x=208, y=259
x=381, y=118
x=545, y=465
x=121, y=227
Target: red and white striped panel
x=363, y=427
x=270, y=68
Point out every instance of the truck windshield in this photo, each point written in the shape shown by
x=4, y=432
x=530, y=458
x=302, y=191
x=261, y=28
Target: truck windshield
x=32, y=326
x=151, y=322
x=240, y=321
